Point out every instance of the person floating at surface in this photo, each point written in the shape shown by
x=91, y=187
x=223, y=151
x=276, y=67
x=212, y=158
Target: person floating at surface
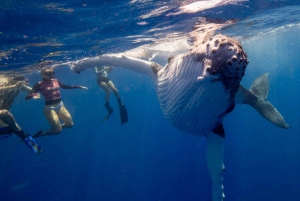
x=54, y=109
x=8, y=124
x=107, y=85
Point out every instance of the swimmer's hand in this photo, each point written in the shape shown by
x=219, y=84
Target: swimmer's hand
x=36, y=96
x=109, y=69
x=82, y=87
x=32, y=95
x=18, y=84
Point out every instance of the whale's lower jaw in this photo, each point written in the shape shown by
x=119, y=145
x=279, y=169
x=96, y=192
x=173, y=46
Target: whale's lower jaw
x=199, y=112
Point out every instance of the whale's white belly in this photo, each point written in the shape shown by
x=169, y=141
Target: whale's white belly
x=192, y=106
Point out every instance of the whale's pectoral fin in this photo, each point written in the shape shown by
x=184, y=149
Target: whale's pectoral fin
x=260, y=86
x=267, y=110
x=118, y=60
x=215, y=164
x=256, y=97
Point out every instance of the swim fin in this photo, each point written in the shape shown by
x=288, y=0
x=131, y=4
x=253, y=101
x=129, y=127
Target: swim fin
x=4, y=136
x=123, y=112
x=6, y=132
x=29, y=141
x=109, y=110
x=33, y=145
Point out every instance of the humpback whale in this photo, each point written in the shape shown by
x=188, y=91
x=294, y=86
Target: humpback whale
x=197, y=89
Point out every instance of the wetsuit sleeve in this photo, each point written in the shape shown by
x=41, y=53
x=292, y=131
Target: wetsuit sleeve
x=33, y=91
x=63, y=86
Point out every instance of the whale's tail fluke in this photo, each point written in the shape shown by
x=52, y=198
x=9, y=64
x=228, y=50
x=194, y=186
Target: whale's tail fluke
x=256, y=97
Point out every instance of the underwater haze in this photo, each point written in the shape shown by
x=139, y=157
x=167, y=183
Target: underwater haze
x=147, y=159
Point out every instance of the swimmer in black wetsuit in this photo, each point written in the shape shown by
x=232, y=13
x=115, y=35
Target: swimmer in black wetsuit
x=107, y=85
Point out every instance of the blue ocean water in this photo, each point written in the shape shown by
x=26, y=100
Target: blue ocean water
x=146, y=159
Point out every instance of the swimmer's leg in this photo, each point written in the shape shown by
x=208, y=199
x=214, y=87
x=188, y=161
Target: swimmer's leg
x=65, y=116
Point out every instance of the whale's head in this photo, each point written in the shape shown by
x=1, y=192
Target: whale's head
x=196, y=90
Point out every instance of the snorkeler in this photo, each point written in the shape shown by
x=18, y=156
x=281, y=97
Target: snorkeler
x=54, y=109
x=8, y=124
x=107, y=85
x=7, y=97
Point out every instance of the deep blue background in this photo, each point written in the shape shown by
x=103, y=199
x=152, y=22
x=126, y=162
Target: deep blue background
x=147, y=159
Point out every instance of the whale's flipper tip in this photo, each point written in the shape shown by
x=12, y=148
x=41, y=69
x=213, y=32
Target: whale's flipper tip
x=267, y=110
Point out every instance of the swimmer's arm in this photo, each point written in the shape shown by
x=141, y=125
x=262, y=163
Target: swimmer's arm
x=7, y=88
x=64, y=86
x=33, y=93
x=100, y=71
x=25, y=88
x=96, y=70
